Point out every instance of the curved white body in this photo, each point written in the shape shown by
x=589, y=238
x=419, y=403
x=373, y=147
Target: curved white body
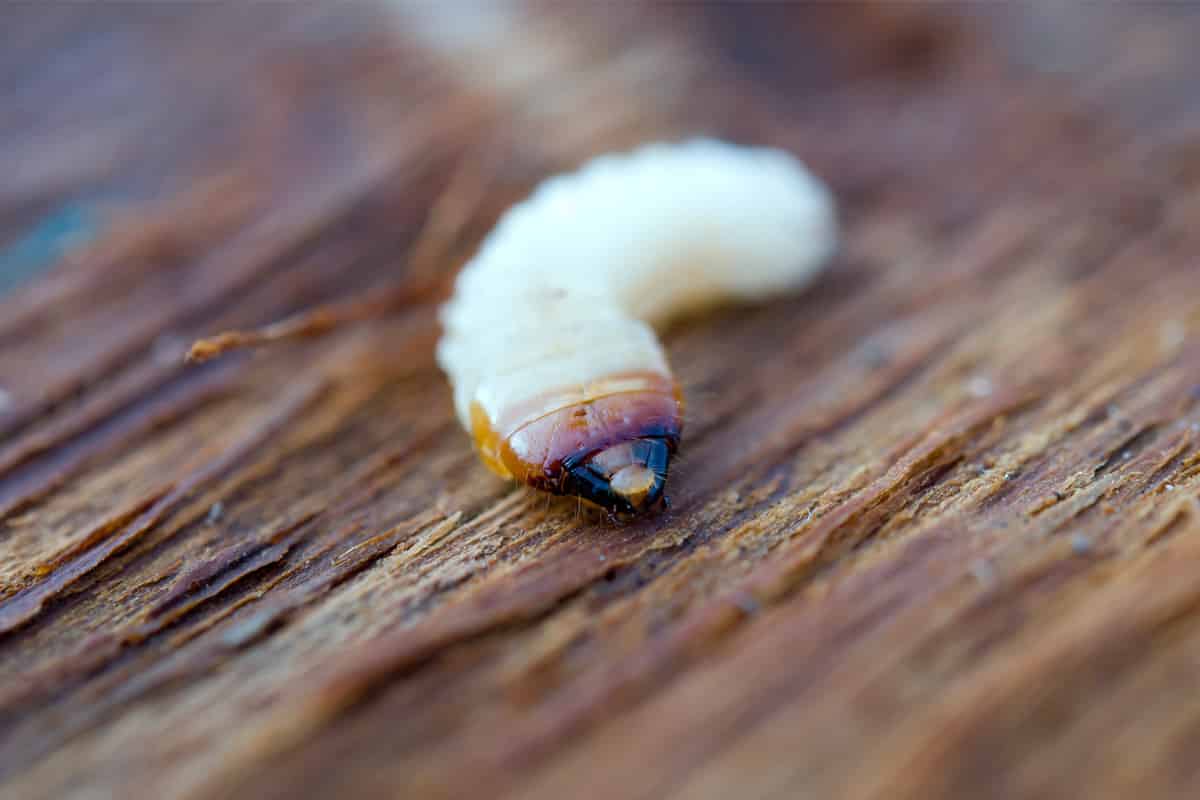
x=564, y=291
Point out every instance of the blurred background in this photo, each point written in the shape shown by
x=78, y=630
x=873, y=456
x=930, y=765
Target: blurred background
x=115, y=114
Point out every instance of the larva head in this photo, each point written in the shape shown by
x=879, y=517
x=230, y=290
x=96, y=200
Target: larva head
x=612, y=449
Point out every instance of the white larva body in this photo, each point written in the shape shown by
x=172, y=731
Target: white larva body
x=558, y=306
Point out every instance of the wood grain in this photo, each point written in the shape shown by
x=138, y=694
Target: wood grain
x=936, y=530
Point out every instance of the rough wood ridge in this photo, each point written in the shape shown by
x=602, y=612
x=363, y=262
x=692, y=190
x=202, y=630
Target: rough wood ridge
x=936, y=532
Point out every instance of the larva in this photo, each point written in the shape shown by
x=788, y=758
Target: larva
x=549, y=335
x=549, y=340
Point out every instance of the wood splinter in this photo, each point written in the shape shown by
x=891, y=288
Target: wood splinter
x=317, y=321
x=456, y=206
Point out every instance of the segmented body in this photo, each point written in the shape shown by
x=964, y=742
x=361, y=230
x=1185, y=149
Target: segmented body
x=549, y=338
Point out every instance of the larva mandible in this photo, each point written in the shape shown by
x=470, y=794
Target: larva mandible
x=548, y=337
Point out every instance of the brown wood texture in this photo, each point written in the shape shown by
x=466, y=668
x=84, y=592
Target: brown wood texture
x=936, y=530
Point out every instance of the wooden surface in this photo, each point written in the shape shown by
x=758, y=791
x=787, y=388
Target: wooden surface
x=936, y=530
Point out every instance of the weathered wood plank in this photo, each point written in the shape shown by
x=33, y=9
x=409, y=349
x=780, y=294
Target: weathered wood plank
x=936, y=532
